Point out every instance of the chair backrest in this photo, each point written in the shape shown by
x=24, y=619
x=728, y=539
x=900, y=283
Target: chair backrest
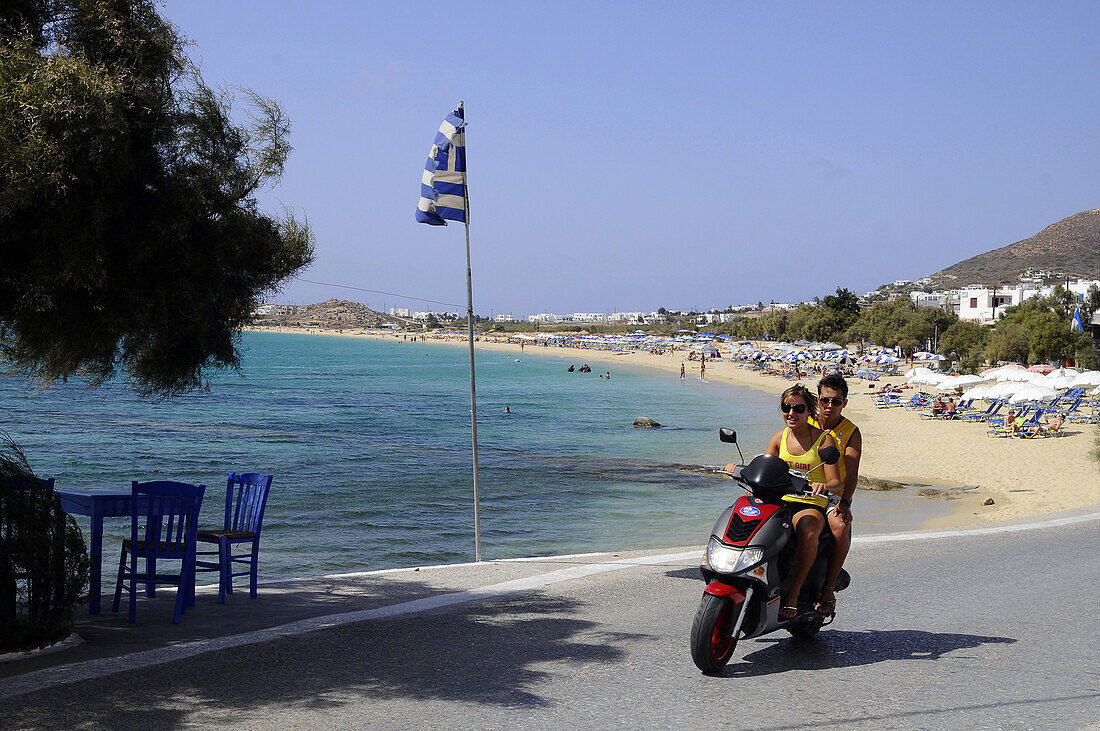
x=171, y=514
x=25, y=498
x=245, y=500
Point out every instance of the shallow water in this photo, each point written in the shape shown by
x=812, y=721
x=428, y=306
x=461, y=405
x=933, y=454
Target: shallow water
x=369, y=442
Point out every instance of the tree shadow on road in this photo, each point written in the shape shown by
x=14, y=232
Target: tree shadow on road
x=842, y=649
x=493, y=653
x=692, y=572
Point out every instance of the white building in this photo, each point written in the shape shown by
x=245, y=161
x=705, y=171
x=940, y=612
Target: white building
x=505, y=318
x=588, y=317
x=544, y=318
x=985, y=304
x=264, y=310
x=628, y=317
x=401, y=312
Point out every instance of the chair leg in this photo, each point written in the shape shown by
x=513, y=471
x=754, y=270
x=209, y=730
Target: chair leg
x=222, y=569
x=255, y=567
x=118, y=583
x=133, y=588
x=227, y=572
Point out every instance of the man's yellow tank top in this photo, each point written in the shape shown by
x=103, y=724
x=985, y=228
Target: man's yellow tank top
x=842, y=433
x=809, y=462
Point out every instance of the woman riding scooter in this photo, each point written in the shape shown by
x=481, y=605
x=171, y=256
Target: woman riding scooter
x=799, y=444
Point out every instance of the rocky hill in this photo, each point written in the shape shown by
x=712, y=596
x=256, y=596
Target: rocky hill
x=1069, y=248
x=334, y=313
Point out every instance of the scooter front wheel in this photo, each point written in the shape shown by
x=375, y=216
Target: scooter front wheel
x=711, y=645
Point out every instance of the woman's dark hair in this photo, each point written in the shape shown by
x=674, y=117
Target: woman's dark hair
x=836, y=382
x=804, y=393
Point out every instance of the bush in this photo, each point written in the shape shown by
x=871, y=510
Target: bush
x=43, y=561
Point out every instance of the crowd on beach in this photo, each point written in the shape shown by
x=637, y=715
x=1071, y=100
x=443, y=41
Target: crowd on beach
x=1040, y=399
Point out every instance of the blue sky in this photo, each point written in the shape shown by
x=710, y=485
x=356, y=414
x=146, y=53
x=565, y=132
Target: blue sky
x=686, y=155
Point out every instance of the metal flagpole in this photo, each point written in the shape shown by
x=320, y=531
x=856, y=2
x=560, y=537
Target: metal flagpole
x=473, y=386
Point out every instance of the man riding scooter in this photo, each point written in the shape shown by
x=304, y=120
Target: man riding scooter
x=832, y=397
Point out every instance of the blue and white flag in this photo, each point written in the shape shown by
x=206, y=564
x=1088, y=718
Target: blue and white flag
x=443, y=185
x=1075, y=323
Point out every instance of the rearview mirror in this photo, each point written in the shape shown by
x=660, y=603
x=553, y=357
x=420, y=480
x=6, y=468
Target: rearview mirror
x=727, y=435
x=830, y=455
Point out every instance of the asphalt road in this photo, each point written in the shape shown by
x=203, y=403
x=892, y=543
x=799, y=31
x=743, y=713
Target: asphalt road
x=987, y=631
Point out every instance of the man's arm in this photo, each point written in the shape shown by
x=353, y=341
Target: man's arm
x=852, y=453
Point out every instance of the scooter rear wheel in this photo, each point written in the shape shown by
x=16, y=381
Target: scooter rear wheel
x=711, y=648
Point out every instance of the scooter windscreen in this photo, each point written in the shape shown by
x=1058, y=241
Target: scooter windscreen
x=769, y=477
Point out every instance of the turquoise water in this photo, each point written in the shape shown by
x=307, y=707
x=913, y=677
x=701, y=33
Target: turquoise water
x=369, y=442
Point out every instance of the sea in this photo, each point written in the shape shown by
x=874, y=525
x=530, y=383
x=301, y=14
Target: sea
x=369, y=442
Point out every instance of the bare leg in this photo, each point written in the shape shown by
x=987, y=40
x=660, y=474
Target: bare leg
x=807, y=525
x=838, y=551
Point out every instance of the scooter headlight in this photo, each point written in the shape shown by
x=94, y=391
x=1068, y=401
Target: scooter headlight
x=727, y=560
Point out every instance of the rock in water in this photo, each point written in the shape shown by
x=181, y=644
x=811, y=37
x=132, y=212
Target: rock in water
x=644, y=422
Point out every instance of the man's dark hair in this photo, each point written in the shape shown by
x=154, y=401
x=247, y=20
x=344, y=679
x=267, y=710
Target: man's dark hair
x=834, y=381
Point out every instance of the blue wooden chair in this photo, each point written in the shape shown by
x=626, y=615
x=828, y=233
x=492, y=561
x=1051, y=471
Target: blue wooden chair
x=163, y=530
x=245, y=500
x=35, y=494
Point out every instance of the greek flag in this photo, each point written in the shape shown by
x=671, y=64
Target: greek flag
x=443, y=185
x=1075, y=323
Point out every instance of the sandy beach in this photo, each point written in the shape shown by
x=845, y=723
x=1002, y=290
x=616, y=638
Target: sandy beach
x=1022, y=477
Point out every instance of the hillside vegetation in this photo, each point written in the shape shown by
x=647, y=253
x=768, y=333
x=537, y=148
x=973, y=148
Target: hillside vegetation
x=1070, y=247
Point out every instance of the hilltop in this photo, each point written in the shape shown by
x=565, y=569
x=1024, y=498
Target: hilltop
x=333, y=313
x=1070, y=248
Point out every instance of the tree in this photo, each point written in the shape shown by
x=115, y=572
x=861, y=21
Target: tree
x=1090, y=305
x=967, y=340
x=845, y=307
x=1010, y=341
x=130, y=238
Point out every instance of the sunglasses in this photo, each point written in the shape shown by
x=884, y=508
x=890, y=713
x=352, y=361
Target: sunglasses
x=830, y=401
x=796, y=408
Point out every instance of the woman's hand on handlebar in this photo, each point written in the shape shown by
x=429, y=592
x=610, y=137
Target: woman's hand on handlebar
x=730, y=467
x=818, y=488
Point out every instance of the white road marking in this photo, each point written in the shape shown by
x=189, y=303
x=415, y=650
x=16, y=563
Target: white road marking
x=91, y=669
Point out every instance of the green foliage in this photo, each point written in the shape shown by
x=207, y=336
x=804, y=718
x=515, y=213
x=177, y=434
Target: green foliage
x=130, y=238
x=845, y=307
x=967, y=341
x=900, y=322
x=43, y=563
x=1091, y=304
x=1010, y=341
x=1046, y=321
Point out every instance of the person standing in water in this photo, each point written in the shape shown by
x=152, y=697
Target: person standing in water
x=683, y=372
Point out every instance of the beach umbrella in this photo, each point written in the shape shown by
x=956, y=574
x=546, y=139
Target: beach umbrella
x=1041, y=368
x=1057, y=382
x=1095, y=391
x=1063, y=372
x=954, y=382
x=867, y=374
x=1087, y=378
x=999, y=369
x=917, y=371
x=977, y=392
x=1017, y=375
x=1032, y=392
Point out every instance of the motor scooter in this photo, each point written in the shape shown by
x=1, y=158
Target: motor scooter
x=749, y=557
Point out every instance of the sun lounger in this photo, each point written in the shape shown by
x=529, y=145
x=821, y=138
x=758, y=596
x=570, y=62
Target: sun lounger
x=992, y=410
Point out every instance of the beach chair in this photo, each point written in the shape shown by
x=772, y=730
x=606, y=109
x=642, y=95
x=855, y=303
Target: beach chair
x=245, y=500
x=1006, y=431
x=164, y=531
x=991, y=411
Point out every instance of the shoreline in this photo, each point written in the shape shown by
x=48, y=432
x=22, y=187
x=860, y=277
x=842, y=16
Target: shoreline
x=1022, y=477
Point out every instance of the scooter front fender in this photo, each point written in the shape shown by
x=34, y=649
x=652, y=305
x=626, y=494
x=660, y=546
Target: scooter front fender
x=718, y=588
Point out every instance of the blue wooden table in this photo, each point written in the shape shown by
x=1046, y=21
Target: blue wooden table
x=97, y=505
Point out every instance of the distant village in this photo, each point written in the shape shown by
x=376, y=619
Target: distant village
x=974, y=303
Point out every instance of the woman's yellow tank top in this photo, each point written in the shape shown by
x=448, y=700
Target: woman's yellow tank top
x=809, y=462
